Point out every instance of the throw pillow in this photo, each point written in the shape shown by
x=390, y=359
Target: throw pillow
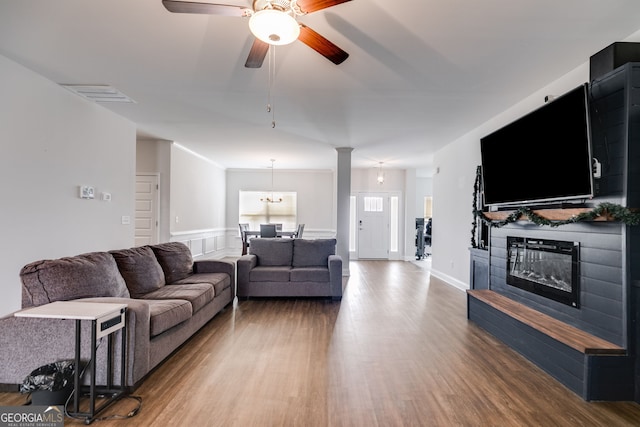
x=175, y=259
x=140, y=270
x=272, y=251
x=313, y=253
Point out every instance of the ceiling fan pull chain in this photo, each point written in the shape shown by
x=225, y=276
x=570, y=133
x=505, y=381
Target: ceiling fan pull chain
x=272, y=76
x=269, y=82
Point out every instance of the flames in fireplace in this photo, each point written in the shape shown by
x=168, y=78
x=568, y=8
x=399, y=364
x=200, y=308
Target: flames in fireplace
x=545, y=268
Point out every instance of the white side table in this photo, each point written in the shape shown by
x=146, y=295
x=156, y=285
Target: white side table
x=106, y=318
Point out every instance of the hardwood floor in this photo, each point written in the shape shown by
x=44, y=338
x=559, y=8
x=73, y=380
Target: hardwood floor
x=396, y=351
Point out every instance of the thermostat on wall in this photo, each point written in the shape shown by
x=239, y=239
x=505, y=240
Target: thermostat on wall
x=87, y=192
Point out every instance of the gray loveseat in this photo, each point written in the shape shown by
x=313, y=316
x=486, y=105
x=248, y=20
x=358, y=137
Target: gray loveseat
x=169, y=297
x=278, y=267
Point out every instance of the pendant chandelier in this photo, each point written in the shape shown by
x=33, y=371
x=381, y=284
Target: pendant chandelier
x=380, y=177
x=269, y=198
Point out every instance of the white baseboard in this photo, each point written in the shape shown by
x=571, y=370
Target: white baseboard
x=450, y=280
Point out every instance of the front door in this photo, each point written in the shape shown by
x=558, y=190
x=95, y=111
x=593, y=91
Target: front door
x=373, y=225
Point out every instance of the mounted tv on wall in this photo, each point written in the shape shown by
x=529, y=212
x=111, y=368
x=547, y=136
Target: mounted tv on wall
x=541, y=158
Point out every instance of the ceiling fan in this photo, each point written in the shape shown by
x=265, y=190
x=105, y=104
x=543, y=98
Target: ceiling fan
x=272, y=22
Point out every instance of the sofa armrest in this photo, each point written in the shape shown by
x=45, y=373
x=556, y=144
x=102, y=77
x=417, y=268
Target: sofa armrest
x=216, y=266
x=28, y=343
x=245, y=264
x=335, y=276
x=138, y=321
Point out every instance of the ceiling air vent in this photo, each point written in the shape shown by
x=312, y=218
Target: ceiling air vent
x=99, y=93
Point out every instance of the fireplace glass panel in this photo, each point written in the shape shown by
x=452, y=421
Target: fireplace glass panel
x=545, y=267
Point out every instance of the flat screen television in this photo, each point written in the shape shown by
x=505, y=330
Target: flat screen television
x=541, y=158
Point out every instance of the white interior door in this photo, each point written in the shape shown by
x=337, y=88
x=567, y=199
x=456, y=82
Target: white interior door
x=373, y=226
x=147, y=202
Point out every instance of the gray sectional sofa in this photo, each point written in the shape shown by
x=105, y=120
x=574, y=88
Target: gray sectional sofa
x=169, y=297
x=279, y=267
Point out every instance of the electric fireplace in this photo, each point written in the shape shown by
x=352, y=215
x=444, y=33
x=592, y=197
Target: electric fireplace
x=548, y=268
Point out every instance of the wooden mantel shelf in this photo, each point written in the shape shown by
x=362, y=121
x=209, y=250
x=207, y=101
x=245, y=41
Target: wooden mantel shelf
x=549, y=214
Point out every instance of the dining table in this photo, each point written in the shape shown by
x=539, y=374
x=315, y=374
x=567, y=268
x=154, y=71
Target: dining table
x=256, y=233
x=279, y=233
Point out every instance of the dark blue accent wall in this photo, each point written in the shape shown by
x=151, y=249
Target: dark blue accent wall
x=601, y=311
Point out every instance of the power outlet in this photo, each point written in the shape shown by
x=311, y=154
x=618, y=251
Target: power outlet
x=597, y=169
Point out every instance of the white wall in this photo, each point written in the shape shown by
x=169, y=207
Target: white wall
x=315, y=193
x=315, y=189
x=197, y=212
x=52, y=142
x=197, y=193
x=365, y=180
x=424, y=188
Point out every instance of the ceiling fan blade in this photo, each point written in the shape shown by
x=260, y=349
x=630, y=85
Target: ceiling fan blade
x=206, y=8
x=257, y=54
x=313, y=5
x=321, y=45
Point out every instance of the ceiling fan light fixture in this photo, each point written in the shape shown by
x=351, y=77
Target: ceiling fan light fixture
x=274, y=27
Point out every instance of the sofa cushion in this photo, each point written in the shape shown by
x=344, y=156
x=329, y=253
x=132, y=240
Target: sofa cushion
x=270, y=274
x=198, y=294
x=165, y=314
x=93, y=274
x=310, y=274
x=220, y=281
x=140, y=269
x=175, y=259
x=311, y=253
x=272, y=252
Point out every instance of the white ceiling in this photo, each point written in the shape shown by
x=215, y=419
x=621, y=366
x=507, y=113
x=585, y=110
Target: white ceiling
x=420, y=73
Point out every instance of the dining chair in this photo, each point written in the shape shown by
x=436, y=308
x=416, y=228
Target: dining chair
x=268, y=230
x=245, y=242
x=299, y=231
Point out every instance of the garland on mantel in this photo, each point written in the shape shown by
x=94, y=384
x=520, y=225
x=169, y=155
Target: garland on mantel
x=612, y=210
x=616, y=212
